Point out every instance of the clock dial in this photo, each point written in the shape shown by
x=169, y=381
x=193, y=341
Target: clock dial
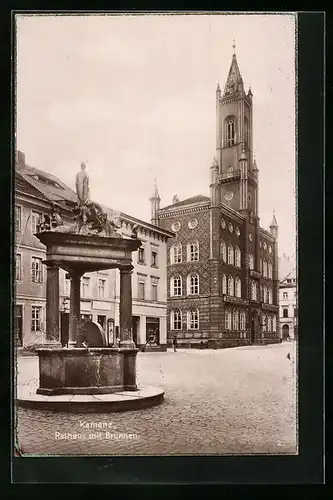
x=229, y=195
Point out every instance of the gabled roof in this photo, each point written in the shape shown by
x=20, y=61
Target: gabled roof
x=189, y=201
x=47, y=184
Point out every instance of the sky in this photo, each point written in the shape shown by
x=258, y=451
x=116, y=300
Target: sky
x=134, y=97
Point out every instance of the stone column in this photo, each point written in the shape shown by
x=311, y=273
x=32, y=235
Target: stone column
x=125, y=307
x=52, y=303
x=74, y=313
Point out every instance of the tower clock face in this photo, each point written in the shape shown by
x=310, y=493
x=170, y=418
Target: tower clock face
x=228, y=195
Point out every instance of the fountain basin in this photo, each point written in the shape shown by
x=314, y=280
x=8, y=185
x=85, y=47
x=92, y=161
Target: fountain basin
x=92, y=370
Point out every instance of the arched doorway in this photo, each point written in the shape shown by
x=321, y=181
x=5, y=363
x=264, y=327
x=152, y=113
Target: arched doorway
x=285, y=332
x=255, y=327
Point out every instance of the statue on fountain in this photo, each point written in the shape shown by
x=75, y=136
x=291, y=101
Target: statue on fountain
x=89, y=217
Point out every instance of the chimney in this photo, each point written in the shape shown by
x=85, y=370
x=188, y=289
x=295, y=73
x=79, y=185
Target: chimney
x=20, y=157
x=175, y=199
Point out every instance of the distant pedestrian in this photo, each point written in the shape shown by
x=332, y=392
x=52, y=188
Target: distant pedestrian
x=175, y=345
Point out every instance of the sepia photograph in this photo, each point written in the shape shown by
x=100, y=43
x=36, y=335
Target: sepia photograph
x=156, y=280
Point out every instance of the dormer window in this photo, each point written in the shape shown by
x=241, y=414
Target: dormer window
x=230, y=129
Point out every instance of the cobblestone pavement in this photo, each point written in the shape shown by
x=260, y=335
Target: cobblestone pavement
x=229, y=401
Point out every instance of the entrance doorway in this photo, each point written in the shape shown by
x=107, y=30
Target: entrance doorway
x=64, y=328
x=18, y=325
x=135, y=323
x=285, y=332
x=153, y=331
x=255, y=327
x=102, y=321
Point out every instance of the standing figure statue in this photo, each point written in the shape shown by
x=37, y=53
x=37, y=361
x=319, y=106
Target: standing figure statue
x=82, y=185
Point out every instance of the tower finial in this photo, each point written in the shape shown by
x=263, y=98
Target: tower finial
x=234, y=46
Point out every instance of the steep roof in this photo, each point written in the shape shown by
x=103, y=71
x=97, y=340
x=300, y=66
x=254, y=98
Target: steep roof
x=189, y=201
x=47, y=184
x=287, y=267
x=234, y=78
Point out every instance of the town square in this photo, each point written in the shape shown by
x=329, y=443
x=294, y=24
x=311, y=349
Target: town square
x=156, y=292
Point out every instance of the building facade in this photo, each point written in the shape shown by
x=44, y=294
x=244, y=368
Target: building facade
x=37, y=194
x=222, y=266
x=288, y=306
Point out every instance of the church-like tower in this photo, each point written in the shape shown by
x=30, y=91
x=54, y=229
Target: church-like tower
x=237, y=172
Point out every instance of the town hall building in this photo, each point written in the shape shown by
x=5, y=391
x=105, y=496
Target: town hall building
x=222, y=269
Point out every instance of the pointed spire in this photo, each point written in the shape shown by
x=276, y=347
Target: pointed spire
x=155, y=192
x=250, y=91
x=274, y=222
x=218, y=87
x=255, y=167
x=215, y=164
x=234, y=80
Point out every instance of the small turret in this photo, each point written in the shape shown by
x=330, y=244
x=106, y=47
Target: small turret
x=273, y=228
x=155, y=205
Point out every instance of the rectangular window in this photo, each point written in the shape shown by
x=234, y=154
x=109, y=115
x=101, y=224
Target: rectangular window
x=285, y=313
x=36, y=276
x=154, y=258
x=141, y=256
x=285, y=295
x=85, y=287
x=18, y=267
x=228, y=320
x=154, y=292
x=36, y=318
x=101, y=288
x=242, y=321
x=141, y=290
x=18, y=218
x=36, y=219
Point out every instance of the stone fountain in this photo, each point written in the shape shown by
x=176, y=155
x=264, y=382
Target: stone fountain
x=91, y=243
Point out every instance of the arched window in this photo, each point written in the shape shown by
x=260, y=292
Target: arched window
x=230, y=255
x=264, y=323
x=223, y=251
x=228, y=320
x=230, y=286
x=176, y=286
x=176, y=253
x=269, y=323
x=230, y=131
x=224, y=284
x=237, y=257
x=265, y=269
x=265, y=294
x=193, y=319
x=251, y=261
x=242, y=320
x=193, y=284
x=261, y=267
x=176, y=319
x=274, y=323
x=253, y=290
x=238, y=287
x=235, y=320
x=270, y=297
x=193, y=251
x=270, y=270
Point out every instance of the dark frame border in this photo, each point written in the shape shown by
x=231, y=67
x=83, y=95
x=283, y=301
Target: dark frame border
x=307, y=468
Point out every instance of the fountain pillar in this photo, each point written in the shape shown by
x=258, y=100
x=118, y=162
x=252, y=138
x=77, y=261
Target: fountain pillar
x=74, y=312
x=125, y=308
x=52, y=303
